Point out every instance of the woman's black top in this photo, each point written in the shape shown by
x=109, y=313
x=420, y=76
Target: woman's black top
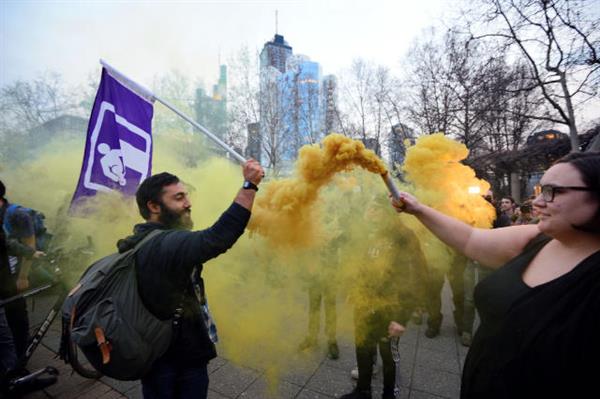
x=540, y=342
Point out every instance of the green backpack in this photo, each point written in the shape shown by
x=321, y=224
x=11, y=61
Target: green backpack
x=105, y=317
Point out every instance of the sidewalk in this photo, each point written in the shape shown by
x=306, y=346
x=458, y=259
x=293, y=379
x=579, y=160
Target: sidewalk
x=430, y=369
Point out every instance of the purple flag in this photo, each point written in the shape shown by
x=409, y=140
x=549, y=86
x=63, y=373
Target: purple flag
x=118, y=149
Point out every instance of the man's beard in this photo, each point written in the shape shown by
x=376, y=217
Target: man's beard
x=175, y=220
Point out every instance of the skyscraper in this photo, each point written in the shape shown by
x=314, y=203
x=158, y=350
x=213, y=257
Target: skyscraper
x=329, y=105
x=211, y=111
x=400, y=133
x=292, y=102
x=275, y=54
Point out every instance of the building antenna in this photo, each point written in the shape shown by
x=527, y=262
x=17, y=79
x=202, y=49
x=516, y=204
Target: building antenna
x=276, y=22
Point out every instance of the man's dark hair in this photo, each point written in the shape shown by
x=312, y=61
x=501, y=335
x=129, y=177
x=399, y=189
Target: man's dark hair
x=508, y=197
x=2, y=190
x=588, y=165
x=151, y=189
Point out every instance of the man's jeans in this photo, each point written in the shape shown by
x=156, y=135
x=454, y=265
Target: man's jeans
x=168, y=380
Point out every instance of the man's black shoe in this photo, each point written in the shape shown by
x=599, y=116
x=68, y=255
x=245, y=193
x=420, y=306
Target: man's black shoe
x=432, y=332
x=31, y=386
x=357, y=394
x=333, y=352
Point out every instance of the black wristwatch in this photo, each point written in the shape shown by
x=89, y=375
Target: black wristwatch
x=248, y=185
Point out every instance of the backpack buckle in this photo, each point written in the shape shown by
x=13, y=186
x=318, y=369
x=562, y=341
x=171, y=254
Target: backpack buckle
x=103, y=344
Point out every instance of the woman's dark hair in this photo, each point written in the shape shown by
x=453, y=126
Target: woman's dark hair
x=151, y=189
x=2, y=190
x=588, y=165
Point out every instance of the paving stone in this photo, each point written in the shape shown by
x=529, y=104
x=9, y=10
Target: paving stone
x=260, y=389
x=414, y=394
x=445, y=342
x=407, y=352
x=308, y=394
x=112, y=394
x=96, y=391
x=231, y=380
x=438, y=382
x=410, y=335
x=331, y=381
x=301, y=373
x=347, y=359
x=215, y=395
x=121, y=386
x=135, y=393
x=438, y=360
x=216, y=364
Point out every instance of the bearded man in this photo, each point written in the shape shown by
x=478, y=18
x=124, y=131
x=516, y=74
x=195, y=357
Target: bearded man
x=169, y=276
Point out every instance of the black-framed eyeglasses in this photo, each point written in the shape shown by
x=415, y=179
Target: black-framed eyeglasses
x=549, y=191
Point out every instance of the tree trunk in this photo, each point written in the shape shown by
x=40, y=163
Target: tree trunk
x=569, y=102
x=515, y=186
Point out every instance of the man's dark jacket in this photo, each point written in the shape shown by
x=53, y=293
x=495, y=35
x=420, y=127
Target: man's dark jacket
x=164, y=266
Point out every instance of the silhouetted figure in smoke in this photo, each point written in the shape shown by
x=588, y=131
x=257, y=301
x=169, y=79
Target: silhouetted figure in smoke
x=454, y=271
x=321, y=289
x=387, y=289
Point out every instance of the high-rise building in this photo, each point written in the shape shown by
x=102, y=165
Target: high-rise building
x=329, y=105
x=399, y=135
x=294, y=101
x=253, y=148
x=275, y=54
x=211, y=111
x=300, y=104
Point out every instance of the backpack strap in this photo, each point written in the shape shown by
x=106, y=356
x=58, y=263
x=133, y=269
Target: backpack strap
x=144, y=240
x=178, y=313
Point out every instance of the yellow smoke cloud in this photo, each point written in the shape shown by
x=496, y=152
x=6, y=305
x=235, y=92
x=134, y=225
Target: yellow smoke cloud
x=258, y=289
x=284, y=210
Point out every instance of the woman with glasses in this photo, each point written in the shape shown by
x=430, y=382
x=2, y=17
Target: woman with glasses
x=540, y=310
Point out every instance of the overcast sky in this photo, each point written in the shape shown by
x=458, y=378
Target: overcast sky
x=148, y=38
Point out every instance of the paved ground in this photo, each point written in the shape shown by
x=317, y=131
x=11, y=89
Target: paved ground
x=430, y=369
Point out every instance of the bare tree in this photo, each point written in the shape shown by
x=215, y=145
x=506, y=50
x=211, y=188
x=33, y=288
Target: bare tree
x=27, y=104
x=356, y=89
x=271, y=119
x=244, y=91
x=430, y=94
x=560, y=45
x=370, y=103
x=178, y=89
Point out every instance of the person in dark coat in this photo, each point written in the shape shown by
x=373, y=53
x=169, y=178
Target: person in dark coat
x=169, y=274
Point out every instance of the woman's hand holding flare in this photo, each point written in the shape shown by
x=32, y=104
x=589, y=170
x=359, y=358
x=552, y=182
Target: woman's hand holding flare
x=406, y=203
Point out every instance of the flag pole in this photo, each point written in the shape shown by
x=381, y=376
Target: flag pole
x=150, y=96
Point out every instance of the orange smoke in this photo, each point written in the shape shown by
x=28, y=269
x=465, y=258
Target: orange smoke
x=283, y=212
